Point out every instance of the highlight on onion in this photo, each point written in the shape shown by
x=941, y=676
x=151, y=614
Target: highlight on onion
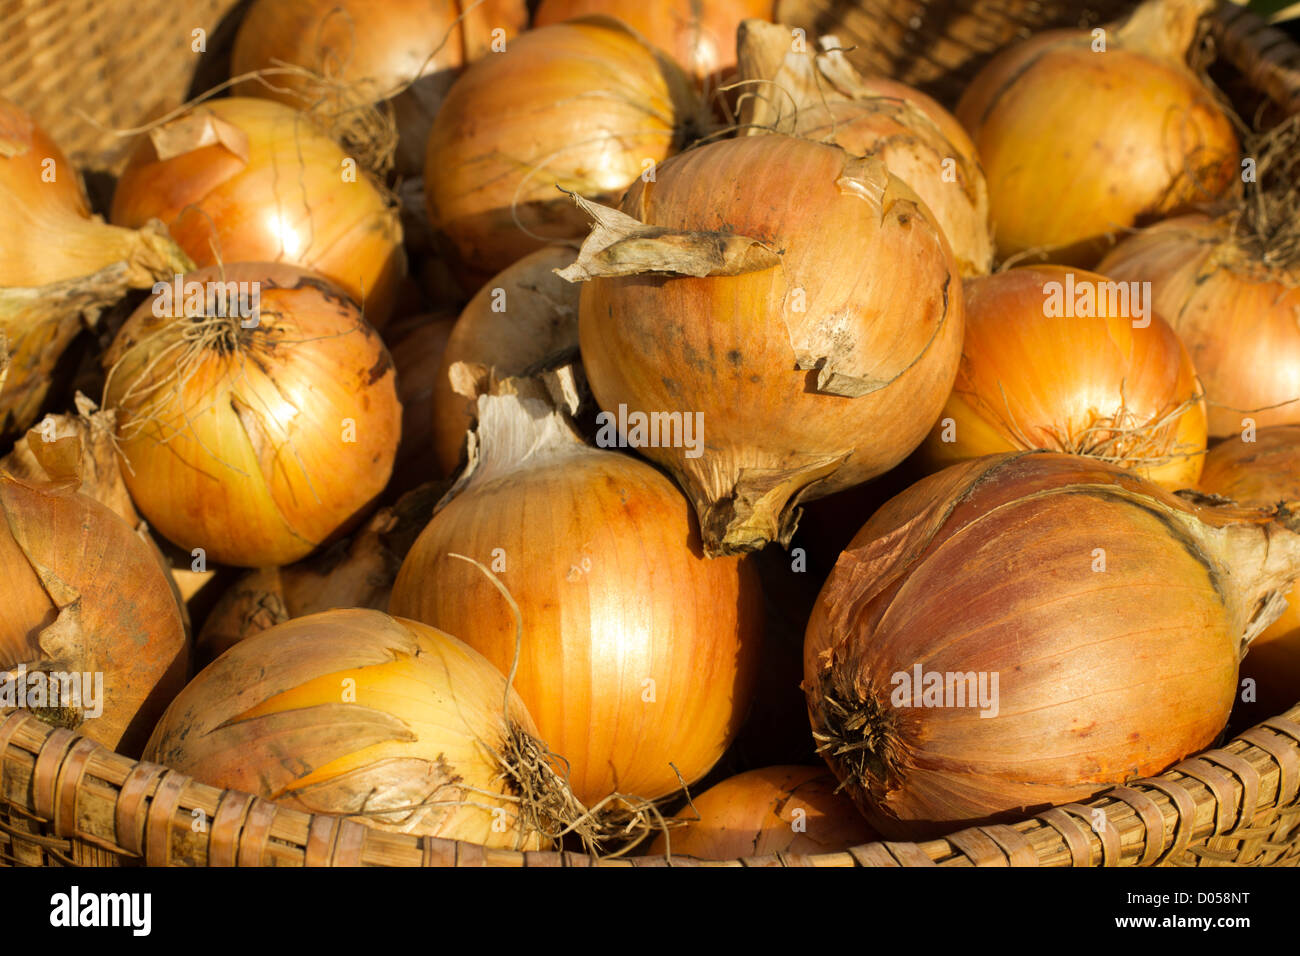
x=586, y=105
x=798, y=302
x=252, y=438
x=418, y=345
x=1084, y=134
x=820, y=96
x=793, y=810
x=59, y=265
x=91, y=636
x=250, y=180
x=521, y=318
x=1066, y=360
x=334, y=57
x=638, y=653
x=386, y=721
x=1026, y=630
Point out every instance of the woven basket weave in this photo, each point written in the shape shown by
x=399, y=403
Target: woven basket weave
x=65, y=800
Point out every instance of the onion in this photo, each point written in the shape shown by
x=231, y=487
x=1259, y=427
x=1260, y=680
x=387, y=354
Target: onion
x=398, y=725
x=699, y=34
x=821, y=97
x=418, y=346
x=1064, y=360
x=349, y=53
x=520, y=318
x=82, y=593
x=258, y=443
x=1111, y=615
x=771, y=810
x=638, y=653
x=59, y=266
x=799, y=301
x=585, y=105
x=1080, y=144
x=248, y=180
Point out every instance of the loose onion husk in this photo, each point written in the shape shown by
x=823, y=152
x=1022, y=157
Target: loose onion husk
x=1078, y=145
x=584, y=105
x=1114, y=612
x=1103, y=385
x=799, y=299
x=250, y=180
x=638, y=653
x=254, y=444
x=792, y=810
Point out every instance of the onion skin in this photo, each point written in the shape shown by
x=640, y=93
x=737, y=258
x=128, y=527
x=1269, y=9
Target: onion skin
x=755, y=814
x=272, y=717
x=737, y=350
x=418, y=349
x=288, y=203
x=988, y=567
x=1029, y=381
x=580, y=105
x=1236, y=316
x=249, y=456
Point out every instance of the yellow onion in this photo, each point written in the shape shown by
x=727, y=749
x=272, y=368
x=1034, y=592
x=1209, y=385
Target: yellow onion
x=253, y=439
x=800, y=302
x=1235, y=308
x=352, y=712
x=1064, y=360
x=771, y=810
x=585, y=105
x=59, y=265
x=1079, y=144
x=338, y=55
x=250, y=180
x=821, y=96
x=521, y=317
x=1263, y=470
x=81, y=592
x=1025, y=630
x=638, y=653
x=418, y=345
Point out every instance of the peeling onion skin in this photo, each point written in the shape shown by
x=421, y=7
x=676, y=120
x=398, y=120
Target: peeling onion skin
x=1239, y=318
x=881, y=295
x=251, y=458
x=990, y=566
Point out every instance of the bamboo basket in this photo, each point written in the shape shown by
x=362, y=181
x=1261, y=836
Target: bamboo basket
x=67, y=801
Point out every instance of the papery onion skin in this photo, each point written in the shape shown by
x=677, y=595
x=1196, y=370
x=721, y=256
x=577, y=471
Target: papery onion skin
x=1114, y=613
x=882, y=315
x=583, y=105
x=791, y=810
x=1063, y=382
x=265, y=449
x=1236, y=315
x=357, y=713
x=294, y=201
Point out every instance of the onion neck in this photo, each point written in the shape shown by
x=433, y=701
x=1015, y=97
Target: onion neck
x=1164, y=29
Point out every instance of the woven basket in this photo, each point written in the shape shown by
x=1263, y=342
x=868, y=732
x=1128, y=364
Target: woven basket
x=65, y=800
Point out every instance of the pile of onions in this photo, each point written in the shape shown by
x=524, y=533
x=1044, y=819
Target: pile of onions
x=1265, y=472
x=797, y=300
x=1080, y=144
x=638, y=654
x=337, y=55
x=81, y=591
x=1111, y=614
x=585, y=105
x=392, y=723
x=1052, y=360
x=59, y=265
x=701, y=37
x=1234, y=305
x=418, y=346
x=821, y=96
x=253, y=443
x=250, y=180
x=518, y=320
x=765, y=811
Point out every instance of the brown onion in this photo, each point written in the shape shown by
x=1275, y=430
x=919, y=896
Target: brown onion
x=418, y=345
